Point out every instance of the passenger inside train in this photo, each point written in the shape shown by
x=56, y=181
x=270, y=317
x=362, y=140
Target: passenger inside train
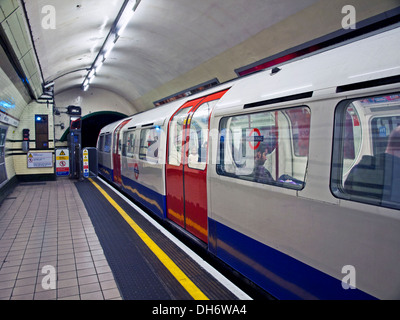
x=266, y=147
x=262, y=174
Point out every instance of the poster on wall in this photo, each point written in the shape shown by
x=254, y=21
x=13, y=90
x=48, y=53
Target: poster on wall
x=40, y=159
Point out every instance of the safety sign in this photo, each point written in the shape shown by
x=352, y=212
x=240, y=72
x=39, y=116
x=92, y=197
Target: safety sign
x=40, y=159
x=86, y=163
x=62, y=162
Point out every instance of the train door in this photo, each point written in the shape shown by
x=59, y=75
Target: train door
x=186, y=168
x=116, y=151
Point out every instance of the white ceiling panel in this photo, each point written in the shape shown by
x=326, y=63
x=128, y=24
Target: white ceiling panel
x=163, y=40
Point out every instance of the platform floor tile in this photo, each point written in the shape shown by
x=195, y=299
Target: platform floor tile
x=48, y=247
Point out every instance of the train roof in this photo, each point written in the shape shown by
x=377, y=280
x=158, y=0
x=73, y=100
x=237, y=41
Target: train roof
x=154, y=116
x=373, y=57
x=158, y=115
x=111, y=126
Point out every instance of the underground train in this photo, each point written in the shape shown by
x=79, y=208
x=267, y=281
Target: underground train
x=290, y=175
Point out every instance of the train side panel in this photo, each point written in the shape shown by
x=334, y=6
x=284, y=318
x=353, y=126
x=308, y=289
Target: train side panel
x=291, y=226
x=143, y=158
x=143, y=175
x=104, y=147
x=296, y=243
x=283, y=146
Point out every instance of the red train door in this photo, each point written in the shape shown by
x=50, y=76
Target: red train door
x=186, y=167
x=117, y=153
x=174, y=167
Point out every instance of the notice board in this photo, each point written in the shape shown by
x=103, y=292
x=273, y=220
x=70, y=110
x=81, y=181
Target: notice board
x=40, y=159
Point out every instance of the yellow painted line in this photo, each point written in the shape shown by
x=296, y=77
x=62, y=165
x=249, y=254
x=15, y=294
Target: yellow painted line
x=183, y=279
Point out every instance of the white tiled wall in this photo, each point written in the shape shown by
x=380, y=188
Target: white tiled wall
x=16, y=163
x=27, y=121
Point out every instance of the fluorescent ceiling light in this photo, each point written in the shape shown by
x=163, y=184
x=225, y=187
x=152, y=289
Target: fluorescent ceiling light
x=125, y=22
x=117, y=29
x=108, y=50
x=48, y=85
x=45, y=96
x=98, y=67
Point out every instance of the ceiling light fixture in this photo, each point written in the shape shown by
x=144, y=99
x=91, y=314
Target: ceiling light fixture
x=124, y=22
x=118, y=27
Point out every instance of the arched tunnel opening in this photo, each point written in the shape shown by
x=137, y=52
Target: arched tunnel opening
x=92, y=124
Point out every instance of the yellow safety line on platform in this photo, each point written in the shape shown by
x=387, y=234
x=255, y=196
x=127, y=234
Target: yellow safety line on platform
x=183, y=279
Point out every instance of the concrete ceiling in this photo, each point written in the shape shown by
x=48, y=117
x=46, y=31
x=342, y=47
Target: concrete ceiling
x=163, y=40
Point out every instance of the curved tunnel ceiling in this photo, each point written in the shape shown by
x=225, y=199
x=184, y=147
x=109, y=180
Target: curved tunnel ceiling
x=163, y=40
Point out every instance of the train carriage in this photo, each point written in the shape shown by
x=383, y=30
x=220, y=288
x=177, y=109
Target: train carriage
x=158, y=166
x=290, y=175
x=143, y=142
x=294, y=231
x=107, y=150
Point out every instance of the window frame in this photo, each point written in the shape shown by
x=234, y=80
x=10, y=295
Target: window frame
x=219, y=166
x=127, y=136
x=336, y=182
x=144, y=156
x=175, y=141
x=201, y=164
x=107, y=138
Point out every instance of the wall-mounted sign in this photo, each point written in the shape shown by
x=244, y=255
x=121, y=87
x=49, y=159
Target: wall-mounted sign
x=40, y=159
x=6, y=118
x=62, y=162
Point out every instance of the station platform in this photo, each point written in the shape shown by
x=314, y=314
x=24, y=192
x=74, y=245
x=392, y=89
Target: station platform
x=80, y=240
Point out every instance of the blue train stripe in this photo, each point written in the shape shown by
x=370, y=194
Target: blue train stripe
x=279, y=274
x=106, y=172
x=151, y=199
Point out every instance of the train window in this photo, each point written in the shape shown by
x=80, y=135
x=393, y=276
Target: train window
x=267, y=147
x=124, y=144
x=129, y=143
x=149, y=144
x=175, y=137
x=198, y=136
x=100, y=143
x=366, y=154
x=115, y=141
x=107, y=143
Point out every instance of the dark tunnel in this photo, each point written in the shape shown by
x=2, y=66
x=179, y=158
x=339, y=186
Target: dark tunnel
x=92, y=124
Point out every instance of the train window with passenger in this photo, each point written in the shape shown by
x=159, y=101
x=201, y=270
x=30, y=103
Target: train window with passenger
x=366, y=154
x=269, y=147
x=149, y=144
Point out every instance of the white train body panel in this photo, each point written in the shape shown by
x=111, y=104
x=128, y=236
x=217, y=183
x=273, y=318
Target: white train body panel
x=105, y=145
x=312, y=225
x=284, y=206
x=143, y=173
